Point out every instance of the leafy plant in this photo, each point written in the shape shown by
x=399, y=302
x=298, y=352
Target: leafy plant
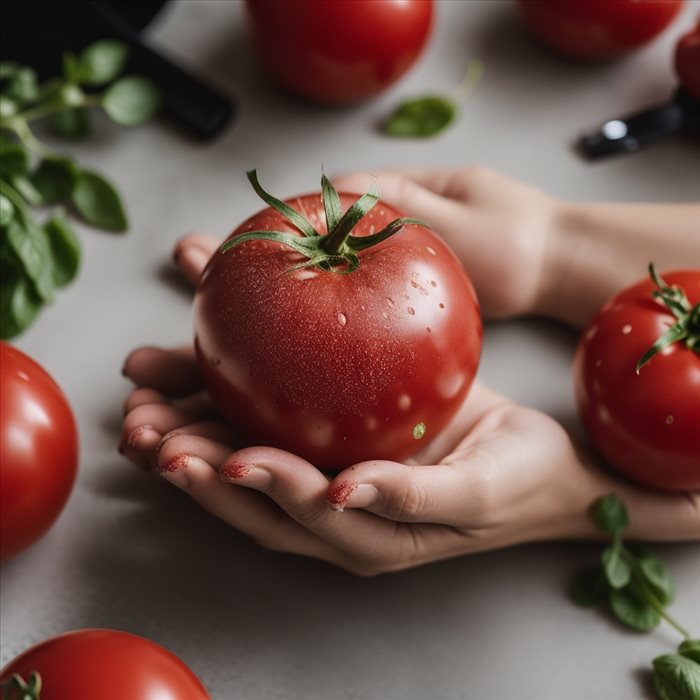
x=36, y=259
x=423, y=117
x=637, y=587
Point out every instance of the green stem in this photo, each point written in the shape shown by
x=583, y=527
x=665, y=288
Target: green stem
x=13, y=195
x=649, y=595
x=25, y=135
x=48, y=109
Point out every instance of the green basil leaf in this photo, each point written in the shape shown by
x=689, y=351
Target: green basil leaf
x=71, y=68
x=8, y=107
x=24, y=186
x=657, y=576
x=54, y=179
x=65, y=248
x=617, y=571
x=98, y=202
x=690, y=648
x=31, y=247
x=632, y=610
x=22, y=86
x=8, y=69
x=7, y=210
x=421, y=118
x=14, y=160
x=676, y=677
x=610, y=514
x=131, y=101
x=102, y=62
x=72, y=124
x=19, y=303
x=589, y=588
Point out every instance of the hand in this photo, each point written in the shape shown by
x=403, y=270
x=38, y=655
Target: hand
x=500, y=474
x=501, y=229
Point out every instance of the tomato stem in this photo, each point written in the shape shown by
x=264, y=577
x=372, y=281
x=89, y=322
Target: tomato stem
x=19, y=689
x=687, y=326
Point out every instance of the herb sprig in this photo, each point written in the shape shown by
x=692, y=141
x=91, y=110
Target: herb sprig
x=36, y=259
x=637, y=586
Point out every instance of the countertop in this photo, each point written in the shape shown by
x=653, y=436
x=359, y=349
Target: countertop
x=132, y=553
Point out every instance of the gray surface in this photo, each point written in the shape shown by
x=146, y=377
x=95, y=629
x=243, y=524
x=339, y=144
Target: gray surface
x=134, y=554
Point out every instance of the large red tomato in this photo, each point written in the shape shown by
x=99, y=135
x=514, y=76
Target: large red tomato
x=38, y=452
x=339, y=51
x=597, y=29
x=645, y=424
x=687, y=61
x=302, y=352
x=101, y=664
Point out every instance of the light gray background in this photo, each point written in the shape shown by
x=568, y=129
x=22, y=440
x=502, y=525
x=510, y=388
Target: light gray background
x=134, y=554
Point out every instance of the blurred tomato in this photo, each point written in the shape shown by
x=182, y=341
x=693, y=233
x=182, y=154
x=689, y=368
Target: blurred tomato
x=339, y=51
x=101, y=664
x=688, y=61
x=38, y=452
x=597, y=29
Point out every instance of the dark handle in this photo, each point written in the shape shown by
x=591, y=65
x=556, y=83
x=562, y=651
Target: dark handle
x=196, y=106
x=631, y=133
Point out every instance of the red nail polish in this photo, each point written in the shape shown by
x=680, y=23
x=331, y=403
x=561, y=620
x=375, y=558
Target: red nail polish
x=338, y=495
x=177, y=462
x=235, y=471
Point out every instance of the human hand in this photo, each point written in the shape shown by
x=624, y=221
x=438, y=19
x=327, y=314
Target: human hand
x=501, y=229
x=500, y=474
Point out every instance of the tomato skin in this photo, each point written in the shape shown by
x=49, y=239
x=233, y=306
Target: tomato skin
x=38, y=452
x=687, y=61
x=645, y=425
x=106, y=664
x=600, y=29
x=338, y=368
x=342, y=51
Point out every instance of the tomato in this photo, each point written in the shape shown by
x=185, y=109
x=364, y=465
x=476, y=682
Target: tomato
x=104, y=664
x=334, y=364
x=646, y=424
x=342, y=51
x=599, y=29
x=38, y=452
x=688, y=61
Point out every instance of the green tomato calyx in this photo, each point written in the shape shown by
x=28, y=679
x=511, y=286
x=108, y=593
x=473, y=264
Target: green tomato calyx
x=687, y=326
x=337, y=251
x=16, y=688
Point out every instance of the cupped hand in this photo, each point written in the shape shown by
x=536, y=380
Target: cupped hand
x=500, y=474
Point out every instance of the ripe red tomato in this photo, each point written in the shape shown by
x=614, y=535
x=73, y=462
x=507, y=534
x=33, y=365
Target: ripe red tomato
x=688, y=61
x=646, y=425
x=600, y=29
x=341, y=51
x=38, y=452
x=337, y=368
x=104, y=664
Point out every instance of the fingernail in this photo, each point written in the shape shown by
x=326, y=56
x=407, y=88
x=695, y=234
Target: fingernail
x=350, y=494
x=137, y=434
x=124, y=370
x=174, y=470
x=246, y=475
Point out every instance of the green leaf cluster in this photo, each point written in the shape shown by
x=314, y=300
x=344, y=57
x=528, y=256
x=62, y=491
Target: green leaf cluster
x=37, y=258
x=636, y=586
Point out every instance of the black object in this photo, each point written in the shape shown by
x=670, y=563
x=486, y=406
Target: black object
x=630, y=133
x=37, y=32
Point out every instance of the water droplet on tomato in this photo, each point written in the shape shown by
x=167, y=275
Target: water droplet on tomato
x=441, y=305
x=342, y=319
x=430, y=250
x=411, y=311
x=669, y=420
x=627, y=328
x=389, y=301
x=433, y=283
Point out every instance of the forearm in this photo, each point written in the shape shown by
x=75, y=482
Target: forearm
x=595, y=250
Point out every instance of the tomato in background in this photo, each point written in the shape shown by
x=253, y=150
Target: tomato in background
x=338, y=51
x=646, y=425
x=597, y=29
x=688, y=61
x=102, y=664
x=38, y=451
x=337, y=366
